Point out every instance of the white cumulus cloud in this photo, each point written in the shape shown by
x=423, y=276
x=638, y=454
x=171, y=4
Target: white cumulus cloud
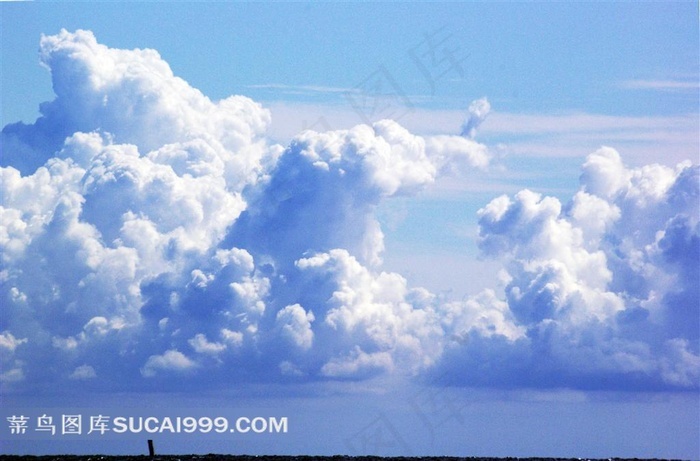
x=146, y=226
x=171, y=360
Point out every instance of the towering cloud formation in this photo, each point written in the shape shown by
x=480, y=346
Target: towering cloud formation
x=134, y=96
x=149, y=232
x=602, y=283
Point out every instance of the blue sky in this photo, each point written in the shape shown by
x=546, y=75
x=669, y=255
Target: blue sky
x=451, y=228
x=525, y=57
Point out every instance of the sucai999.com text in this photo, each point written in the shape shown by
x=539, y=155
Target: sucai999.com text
x=77, y=424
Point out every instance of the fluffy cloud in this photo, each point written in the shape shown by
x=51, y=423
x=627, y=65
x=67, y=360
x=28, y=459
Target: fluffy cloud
x=9, y=343
x=335, y=180
x=12, y=369
x=601, y=284
x=295, y=324
x=83, y=372
x=373, y=317
x=478, y=111
x=171, y=360
x=134, y=96
x=149, y=228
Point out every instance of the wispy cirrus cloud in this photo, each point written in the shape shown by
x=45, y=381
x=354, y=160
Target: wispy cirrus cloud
x=668, y=138
x=661, y=85
x=302, y=89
